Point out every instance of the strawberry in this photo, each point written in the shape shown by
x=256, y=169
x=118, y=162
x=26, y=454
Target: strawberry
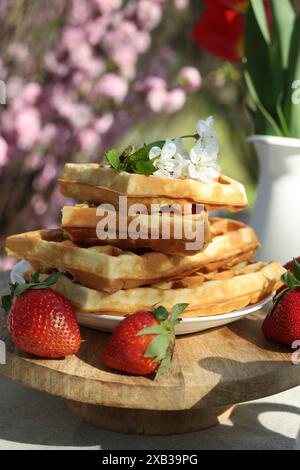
x=41, y=322
x=283, y=323
x=143, y=343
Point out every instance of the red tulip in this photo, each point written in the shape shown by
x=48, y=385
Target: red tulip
x=221, y=28
x=220, y=32
x=238, y=5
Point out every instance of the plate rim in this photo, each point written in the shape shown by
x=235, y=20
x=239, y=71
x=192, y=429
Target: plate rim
x=187, y=320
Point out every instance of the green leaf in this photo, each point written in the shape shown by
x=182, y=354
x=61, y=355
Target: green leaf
x=113, y=158
x=278, y=297
x=151, y=330
x=20, y=289
x=159, y=347
x=176, y=311
x=292, y=107
x=161, y=313
x=35, y=278
x=264, y=73
x=297, y=269
x=142, y=155
x=281, y=116
x=290, y=281
x=265, y=124
x=128, y=151
x=261, y=18
x=164, y=365
x=50, y=280
x=283, y=17
x=16, y=290
x=143, y=152
x=144, y=168
x=6, y=302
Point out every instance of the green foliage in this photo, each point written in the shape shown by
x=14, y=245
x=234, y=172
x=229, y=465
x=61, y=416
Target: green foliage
x=162, y=345
x=272, y=64
x=16, y=290
x=113, y=158
x=292, y=110
x=136, y=162
x=291, y=281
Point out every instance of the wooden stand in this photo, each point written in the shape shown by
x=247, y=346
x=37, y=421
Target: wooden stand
x=149, y=422
x=210, y=372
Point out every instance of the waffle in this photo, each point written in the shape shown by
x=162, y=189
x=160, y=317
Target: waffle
x=165, y=233
x=110, y=268
x=206, y=294
x=100, y=183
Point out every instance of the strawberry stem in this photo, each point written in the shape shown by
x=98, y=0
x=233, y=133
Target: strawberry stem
x=162, y=345
x=16, y=290
x=291, y=281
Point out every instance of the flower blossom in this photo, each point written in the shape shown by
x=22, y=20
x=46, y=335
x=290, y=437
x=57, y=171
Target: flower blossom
x=204, y=155
x=79, y=92
x=174, y=161
x=190, y=79
x=168, y=160
x=3, y=152
x=113, y=86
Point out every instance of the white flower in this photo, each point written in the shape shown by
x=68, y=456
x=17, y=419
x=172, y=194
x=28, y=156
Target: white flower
x=163, y=159
x=154, y=152
x=163, y=173
x=169, y=150
x=203, y=173
x=206, y=127
x=174, y=161
x=181, y=166
x=181, y=150
x=204, y=154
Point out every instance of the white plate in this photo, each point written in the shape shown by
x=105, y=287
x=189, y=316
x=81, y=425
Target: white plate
x=187, y=325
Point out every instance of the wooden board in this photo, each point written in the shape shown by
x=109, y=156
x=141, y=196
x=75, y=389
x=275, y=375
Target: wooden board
x=210, y=372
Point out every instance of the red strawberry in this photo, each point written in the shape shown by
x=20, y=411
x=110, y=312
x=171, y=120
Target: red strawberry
x=283, y=323
x=42, y=322
x=143, y=342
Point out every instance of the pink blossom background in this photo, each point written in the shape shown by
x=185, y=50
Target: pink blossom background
x=100, y=76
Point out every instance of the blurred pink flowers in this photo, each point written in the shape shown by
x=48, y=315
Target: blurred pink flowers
x=3, y=152
x=28, y=127
x=79, y=97
x=112, y=86
x=149, y=14
x=190, y=79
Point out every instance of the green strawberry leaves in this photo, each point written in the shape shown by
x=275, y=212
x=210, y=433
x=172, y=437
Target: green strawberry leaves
x=158, y=347
x=16, y=290
x=176, y=311
x=134, y=161
x=164, y=365
x=160, y=312
x=297, y=269
x=291, y=281
x=162, y=345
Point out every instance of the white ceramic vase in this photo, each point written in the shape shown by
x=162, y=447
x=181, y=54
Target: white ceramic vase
x=276, y=214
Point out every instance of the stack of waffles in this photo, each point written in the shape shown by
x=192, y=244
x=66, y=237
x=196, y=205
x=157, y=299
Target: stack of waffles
x=110, y=272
